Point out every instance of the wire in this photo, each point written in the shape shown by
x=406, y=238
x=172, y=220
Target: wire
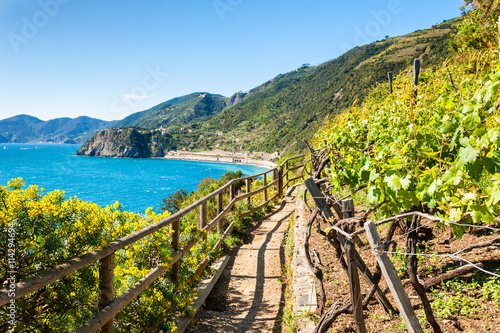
x=490, y=241
x=409, y=232
x=418, y=254
x=472, y=225
x=454, y=255
x=481, y=269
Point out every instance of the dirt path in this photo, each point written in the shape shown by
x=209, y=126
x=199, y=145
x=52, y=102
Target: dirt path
x=248, y=296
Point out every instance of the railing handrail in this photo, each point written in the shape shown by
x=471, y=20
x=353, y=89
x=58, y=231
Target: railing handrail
x=50, y=275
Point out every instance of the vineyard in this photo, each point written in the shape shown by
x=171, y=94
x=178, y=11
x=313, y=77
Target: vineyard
x=403, y=232
x=421, y=158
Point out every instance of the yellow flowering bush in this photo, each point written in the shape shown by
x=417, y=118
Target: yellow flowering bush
x=50, y=230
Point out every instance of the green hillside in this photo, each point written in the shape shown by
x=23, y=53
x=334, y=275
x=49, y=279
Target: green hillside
x=432, y=151
x=291, y=106
x=283, y=111
x=178, y=111
x=130, y=120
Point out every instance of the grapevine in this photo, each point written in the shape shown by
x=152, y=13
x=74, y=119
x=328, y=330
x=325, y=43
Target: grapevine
x=439, y=152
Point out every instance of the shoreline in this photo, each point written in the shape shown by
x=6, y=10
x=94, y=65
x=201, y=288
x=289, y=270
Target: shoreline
x=221, y=159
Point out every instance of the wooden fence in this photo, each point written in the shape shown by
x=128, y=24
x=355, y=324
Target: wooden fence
x=110, y=306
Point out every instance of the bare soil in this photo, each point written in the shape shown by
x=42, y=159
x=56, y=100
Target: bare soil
x=249, y=296
x=432, y=241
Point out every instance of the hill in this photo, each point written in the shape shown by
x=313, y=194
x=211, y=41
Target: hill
x=278, y=114
x=178, y=111
x=293, y=105
x=25, y=128
x=128, y=142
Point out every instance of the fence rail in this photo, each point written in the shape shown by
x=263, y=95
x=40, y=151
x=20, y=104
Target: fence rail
x=110, y=307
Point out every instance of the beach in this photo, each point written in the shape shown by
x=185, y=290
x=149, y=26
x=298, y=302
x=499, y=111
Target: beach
x=219, y=156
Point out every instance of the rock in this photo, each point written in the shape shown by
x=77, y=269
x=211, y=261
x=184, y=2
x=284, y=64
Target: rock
x=128, y=142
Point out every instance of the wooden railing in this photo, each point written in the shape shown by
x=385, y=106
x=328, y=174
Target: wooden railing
x=110, y=306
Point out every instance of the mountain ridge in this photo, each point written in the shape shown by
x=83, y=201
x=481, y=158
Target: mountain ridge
x=26, y=129
x=289, y=108
x=177, y=111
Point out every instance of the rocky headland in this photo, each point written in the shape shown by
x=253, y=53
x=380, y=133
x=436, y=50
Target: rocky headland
x=128, y=142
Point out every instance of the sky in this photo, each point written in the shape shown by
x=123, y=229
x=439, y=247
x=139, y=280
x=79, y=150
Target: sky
x=107, y=59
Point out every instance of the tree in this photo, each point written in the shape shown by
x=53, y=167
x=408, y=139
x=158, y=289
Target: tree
x=173, y=202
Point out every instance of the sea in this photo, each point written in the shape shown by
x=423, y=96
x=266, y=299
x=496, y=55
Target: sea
x=136, y=183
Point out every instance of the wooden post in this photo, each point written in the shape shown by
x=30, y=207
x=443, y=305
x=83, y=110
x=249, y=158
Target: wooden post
x=203, y=216
x=347, y=208
x=174, y=273
x=287, y=172
x=390, y=82
x=393, y=280
x=248, y=185
x=451, y=78
x=220, y=226
x=280, y=181
x=232, y=194
x=320, y=202
x=265, y=184
x=411, y=264
x=275, y=177
x=350, y=251
x=106, y=287
x=416, y=73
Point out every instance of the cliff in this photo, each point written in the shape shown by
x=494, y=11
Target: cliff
x=128, y=142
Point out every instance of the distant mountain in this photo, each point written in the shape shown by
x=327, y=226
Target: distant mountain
x=25, y=128
x=178, y=111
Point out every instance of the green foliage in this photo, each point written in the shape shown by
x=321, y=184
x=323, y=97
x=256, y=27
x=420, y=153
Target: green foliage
x=280, y=113
x=199, y=107
x=399, y=261
x=50, y=230
x=462, y=297
x=491, y=290
x=155, y=110
x=173, y=202
x=440, y=151
x=479, y=28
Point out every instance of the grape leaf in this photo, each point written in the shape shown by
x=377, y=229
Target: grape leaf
x=480, y=213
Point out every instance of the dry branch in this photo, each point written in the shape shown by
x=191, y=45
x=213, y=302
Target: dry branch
x=411, y=263
x=305, y=201
x=437, y=280
x=315, y=269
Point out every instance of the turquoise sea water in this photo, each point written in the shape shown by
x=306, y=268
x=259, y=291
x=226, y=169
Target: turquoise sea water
x=136, y=183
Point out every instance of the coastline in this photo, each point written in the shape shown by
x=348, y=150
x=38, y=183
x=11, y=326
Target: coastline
x=218, y=158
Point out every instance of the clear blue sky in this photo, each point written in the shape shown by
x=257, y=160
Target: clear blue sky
x=108, y=58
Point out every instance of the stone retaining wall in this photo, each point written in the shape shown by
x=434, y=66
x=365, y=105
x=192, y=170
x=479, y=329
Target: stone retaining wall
x=304, y=289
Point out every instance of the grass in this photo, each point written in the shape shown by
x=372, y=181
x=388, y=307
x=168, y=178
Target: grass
x=462, y=297
x=289, y=320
